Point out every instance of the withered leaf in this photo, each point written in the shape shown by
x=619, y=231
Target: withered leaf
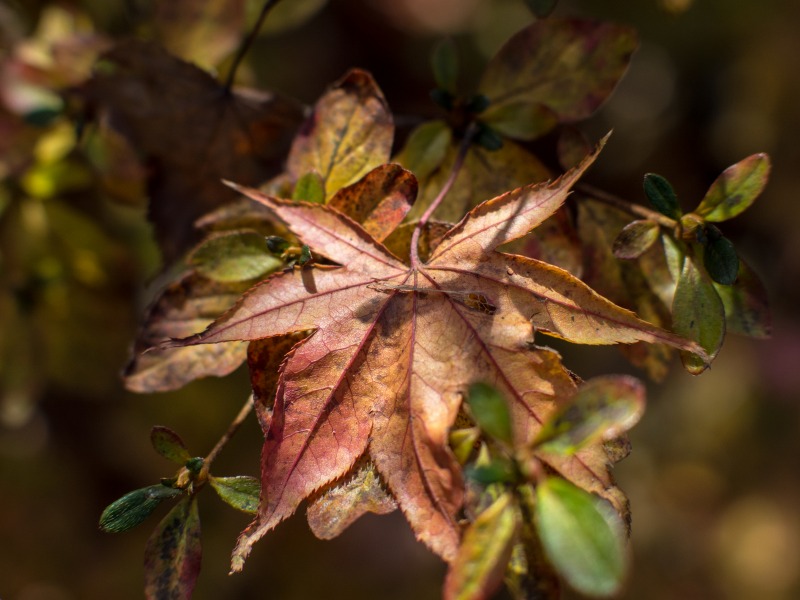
x=396, y=345
x=191, y=132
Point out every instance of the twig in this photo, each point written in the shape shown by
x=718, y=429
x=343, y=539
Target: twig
x=635, y=209
x=247, y=43
x=226, y=437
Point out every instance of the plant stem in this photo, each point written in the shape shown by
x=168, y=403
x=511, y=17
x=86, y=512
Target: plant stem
x=451, y=179
x=226, y=437
x=635, y=209
x=247, y=43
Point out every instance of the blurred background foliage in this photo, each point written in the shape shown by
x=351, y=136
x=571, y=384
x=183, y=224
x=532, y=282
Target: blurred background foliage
x=713, y=477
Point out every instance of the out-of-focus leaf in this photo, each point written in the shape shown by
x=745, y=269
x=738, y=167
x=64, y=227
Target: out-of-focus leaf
x=310, y=188
x=661, y=195
x=338, y=505
x=462, y=442
x=635, y=239
x=490, y=411
x=484, y=552
x=399, y=241
x=487, y=138
x=584, y=539
x=556, y=242
x=169, y=444
x=719, y=256
x=568, y=65
x=380, y=200
x=541, y=8
x=425, y=148
x=284, y=16
x=602, y=408
x=234, y=256
x=349, y=133
x=173, y=553
x=497, y=470
x=184, y=308
x=444, y=61
x=134, y=507
x=241, y=492
x=520, y=120
x=735, y=189
x=571, y=147
x=698, y=314
x=746, y=304
x=192, y=133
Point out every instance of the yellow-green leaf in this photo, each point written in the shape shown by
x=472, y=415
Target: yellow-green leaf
x=241, y=492
x=425, y=148
x=735, y=189
x=746, y=304
x=635, y=239
x=490, y=411
x=520, y=120
x=235, y=256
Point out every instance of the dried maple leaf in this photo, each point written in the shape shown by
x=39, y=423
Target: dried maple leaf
x=396, y=344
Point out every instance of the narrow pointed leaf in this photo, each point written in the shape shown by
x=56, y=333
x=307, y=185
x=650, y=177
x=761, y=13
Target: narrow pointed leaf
x=234, y=257
x=541, y=8
x=635, y=239
x=719, y=257
x=169, y=444
x=746, y=304
x=584, y=540
x=485, y=550
x=444, y=61
x=735, y=189
x=241, y=492
x=603, y=408
x=310, y=187
x=462, y=441
x=425, y=148
x=134, y=507
x=173, y=553
x=490, y=411
x=698, y=314
x=661, y=195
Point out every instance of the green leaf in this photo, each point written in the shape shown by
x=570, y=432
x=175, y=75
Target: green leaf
x=484, y=552
x=233, y=257
x=582, y=536
x=661, y=195
x=310, y=187
x=719, y=256
x=173, y=553
x=541, y=8
x=194, y=465
x=698, y=314
x=488, y=138
x=134, y=507
x=497, y=470
x=462, y=442
x=602, y=408
x=520, y=120
x=425, y=148
x=635, y=239
x=169, y=444
x=241, y=492
x=746, y=304
x=444, y=61
x=735, y=189
x=490, y=411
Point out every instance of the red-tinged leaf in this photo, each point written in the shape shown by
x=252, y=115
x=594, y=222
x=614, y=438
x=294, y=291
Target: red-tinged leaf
x=192, y=133
x=396, y=346
x=380, y=200
x=173, y=553
x=425, y=148
x=635, y=239
x=338, y=505
x=555, y=241
x=735, y=189
x=698, y=314
x=349, y=133
x=568, y=65
x=485, y=550
x=746, y=304
x=183, y=308
x=572, y=146
x=169, y=444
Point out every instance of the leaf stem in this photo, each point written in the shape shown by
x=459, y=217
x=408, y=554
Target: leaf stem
x=451, y=179
x=635, y=209
x=226, y=437
x=247, y=43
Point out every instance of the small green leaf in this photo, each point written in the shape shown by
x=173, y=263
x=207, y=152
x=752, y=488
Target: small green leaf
x=277, y=245
x=444, y=61
x=521, y=120
x=305, y=255
x=497, y=470
x=443, y=98
x=477, y=104
x=462, y=442
x=697, y=314
x=746, y=304
x=194, y=465
x=602, y=408
x=735, y=189
x=134, y=507
x=169, y=444
x=232, y=257
x=541, y=8
x=425, y=148
x=488, y=137
x=719, y=256
x=241, y=492
x=310, y=188
x=173, y=554
x=484, y=552
x=582, y=536
x=490, y=411
x=661, y=195
x=635, y=239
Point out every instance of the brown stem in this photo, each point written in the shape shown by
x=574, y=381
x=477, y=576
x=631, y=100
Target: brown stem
x=226, y=437
x=247, y=43
x=635, y=209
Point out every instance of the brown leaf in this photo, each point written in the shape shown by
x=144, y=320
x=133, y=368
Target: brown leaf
x=397, y=345
x=191, y=131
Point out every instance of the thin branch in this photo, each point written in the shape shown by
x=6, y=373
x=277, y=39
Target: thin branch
x=629, y=207
x=247, y=43
x=226, y=437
